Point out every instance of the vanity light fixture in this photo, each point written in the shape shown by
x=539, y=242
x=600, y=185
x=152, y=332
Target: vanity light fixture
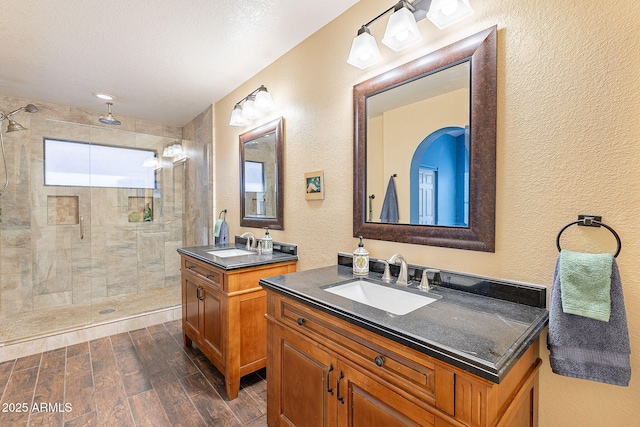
x=402, y=29
x=251, y=107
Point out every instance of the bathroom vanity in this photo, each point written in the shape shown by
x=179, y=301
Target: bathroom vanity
x=223, y=306
x=467, y=358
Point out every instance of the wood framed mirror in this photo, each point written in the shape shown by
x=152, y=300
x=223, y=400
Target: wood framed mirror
x=261, y=176
x=399, y=147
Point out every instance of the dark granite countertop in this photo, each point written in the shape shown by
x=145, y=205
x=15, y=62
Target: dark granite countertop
x=281, y=252
x=479, y=334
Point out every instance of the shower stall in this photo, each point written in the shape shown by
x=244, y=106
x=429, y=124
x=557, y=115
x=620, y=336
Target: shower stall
x=73, y=256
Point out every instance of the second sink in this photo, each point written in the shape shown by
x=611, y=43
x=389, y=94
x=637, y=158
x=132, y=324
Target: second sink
x=394, y=301
x=228, y=253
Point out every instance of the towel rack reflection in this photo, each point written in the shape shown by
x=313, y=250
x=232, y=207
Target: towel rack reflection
x=590, y=221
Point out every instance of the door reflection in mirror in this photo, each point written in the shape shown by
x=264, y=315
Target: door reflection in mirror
x=439, y=178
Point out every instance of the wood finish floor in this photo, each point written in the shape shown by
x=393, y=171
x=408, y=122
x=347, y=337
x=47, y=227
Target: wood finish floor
x=140, y=378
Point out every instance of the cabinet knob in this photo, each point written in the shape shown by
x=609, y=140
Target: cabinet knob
x=379, y=360
x=300, y=320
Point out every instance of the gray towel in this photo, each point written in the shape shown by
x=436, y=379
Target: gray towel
x=223, y=235
x=389, y=211
x=586, y=348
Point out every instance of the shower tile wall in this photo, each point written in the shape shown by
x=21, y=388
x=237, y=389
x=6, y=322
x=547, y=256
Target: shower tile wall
x=46, y=264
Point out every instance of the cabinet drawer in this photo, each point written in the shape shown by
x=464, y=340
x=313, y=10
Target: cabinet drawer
x=399, y=365
x=210, y=274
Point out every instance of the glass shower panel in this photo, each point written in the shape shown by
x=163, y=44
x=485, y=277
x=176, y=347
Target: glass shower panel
x=62, y=253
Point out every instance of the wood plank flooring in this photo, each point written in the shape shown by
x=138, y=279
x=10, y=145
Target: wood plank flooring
x=140, y=378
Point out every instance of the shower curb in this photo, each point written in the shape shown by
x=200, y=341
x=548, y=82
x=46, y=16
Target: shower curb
x=59, y=339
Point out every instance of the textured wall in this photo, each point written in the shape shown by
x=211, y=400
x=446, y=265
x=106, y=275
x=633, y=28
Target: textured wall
x=568, y=114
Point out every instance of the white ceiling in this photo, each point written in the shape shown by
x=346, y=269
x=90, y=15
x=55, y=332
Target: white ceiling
x=163, y=60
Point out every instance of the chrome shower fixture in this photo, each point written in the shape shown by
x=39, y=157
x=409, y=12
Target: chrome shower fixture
x=13, y=126
x=109, y=119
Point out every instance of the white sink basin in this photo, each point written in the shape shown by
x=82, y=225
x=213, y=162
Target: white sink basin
x=228, y=253
x=394, y=301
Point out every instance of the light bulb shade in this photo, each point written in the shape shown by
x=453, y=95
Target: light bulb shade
x=444, y=13
x=402, y=30
x=249, y=111
x=151, y=162
x=236, y=117
x=263, y=102
x=364, y=50
x=177, y=150
x=173, y=150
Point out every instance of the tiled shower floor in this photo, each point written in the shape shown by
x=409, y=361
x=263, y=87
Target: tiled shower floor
x=40, y=323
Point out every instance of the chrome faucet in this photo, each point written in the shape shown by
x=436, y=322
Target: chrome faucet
x=251, y=240
x=402, y=276
x=425, y=286
x=386, y=276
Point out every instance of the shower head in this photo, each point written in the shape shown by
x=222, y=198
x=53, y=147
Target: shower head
x=29, y=108
x=14, y=127
x=109, y=119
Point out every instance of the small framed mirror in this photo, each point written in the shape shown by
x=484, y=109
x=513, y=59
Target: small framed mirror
x=261, y=176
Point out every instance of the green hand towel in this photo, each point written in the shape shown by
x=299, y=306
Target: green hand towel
x=216, y=230
x=585, y=284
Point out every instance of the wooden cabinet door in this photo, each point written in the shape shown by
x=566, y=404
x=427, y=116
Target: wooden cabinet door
x=367, y=402
x=213, y=322
x=301, y=386
x=190, y=308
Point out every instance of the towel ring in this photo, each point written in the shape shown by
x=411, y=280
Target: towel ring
x=591, y=222
x=223, y=212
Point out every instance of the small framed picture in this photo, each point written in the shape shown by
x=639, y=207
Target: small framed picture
x=314, y=185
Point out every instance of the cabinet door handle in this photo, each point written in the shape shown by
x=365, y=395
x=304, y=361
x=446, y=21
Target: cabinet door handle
x=199, y=293
x=379, y=360
x=191, y=267
x=210, y=276
x=340, y=398
x=329, y=389
x=300, y=321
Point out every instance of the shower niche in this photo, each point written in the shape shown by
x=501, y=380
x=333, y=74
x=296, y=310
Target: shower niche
x=140, y=208
x=63, y=210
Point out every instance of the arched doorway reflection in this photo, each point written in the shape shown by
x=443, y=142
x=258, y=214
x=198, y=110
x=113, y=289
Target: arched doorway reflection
x=439, y=179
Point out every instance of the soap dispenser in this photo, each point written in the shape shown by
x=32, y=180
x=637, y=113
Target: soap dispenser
x=361, y=259
x=267, y=242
